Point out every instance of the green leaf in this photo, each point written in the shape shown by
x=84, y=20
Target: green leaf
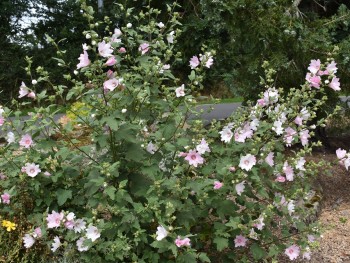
x=221, y=243
x=203, y=257
x=63, y=195
x=110, y=191
x=258, y=252
x=192, y=76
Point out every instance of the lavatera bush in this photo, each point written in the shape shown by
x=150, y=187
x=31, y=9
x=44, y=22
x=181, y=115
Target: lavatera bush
x=146, y=184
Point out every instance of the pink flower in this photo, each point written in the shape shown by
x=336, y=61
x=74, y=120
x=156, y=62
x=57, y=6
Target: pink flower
x=122, y=50
x=69, y=224
x=269, y=159
x=5, y=198
x=79, y=225
x=304, y=137
x=261, y=102
x=280, y=179
x=340, y=153
x=54, y=219
x=208, y=60
x=288, y=137
x=26, y=141
x=313, y=80
x=203, y=147
x=194, y=158
x=232, y=169
x=314, y=66
x=84, y=60
x=182, y=154
x=242, y=134
x=247, y=162
x=37, y=232
x=105, y=50
x=259, y=223
x=110, y=74
x=111, y=61
x=322, y=73
x=144, y=48
x=240, y=241
x=226, y=135
x=47, y=174
x=194, y=62
x=332, y=67
x=56, y=244
x=307, y=255
x=182, y=242
x=217, y=185
x=240, y=188
x=180, y=91
x=110, y=84
x=80, y=245
x=288, y=171
x=335, y=84
x=292, y=252
x=300, y=164
x=298, y=120
x=31, y=95
x=32, y=169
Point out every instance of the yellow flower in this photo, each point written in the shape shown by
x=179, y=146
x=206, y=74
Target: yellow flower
x=9, y=225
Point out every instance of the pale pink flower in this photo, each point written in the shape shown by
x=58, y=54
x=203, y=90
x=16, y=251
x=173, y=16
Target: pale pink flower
x=23, y=90
x=111, y=84
x=242, y=134
x=151, y=148
x=300, y=164
x=5, y=198
x=259, y=223
x=26, y=141
x=347, y=163
x=203, y=147
x=194, y=158
x=69, y=224
x=182, y=154
x=56, y=244
x=84, y=60
x=314, y=66
x=111, y=61
x=277, y=127
x=37, y=232
x=335, y=84
x=54, y=219
x=161, y=233
x=314, y=81
x=340, y=153
x=280, y=178
x=292, y=252
x=194, y=62
x=322, y=73
x=182, y=242
x=217, y=185
x=240, y=241
x=271, y=96
x=10, y=137
x=92, y=233
x=2, y=120
x=232, y=169
x=304, y=137
x=226, y=135
x=32, y=169
x=261, y=102
x=247, y=162
x=269, y=159
x=288, y=171
x=122, y=50
x=110, y=74
x=298, y=120
x=79, y=225
x=144, y=48
x=170, y=37
x=291, y=207
x=28, y=241
x=311, y=238
x=332, y=67
x=31, y=95
x=105, y=49
x=47, y=174
x=288, y=137
x=80, y=245
x=307, y=255
x=208, y=60
x=180, y=91
x=240, y=188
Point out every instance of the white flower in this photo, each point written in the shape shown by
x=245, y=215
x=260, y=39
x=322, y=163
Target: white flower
x=269, y=159
x=226, y=135
x=203, y=147
x=291, y=207
x=160, y=25
x=161, y=233
x=170, y=37
x=70, y=216
x=79, y=225
x=247, y=162
x=180, y=91
x=80, y=245
x=300, y=164
x=240, y=188
x=277, y=127
x=92, y=233
x=10, y=137
x=56, y=244
x=28, y=241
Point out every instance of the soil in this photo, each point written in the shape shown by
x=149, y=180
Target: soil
x=334, y=215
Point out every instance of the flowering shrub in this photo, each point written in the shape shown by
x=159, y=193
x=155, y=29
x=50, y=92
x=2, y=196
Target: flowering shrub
x=149, y=185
